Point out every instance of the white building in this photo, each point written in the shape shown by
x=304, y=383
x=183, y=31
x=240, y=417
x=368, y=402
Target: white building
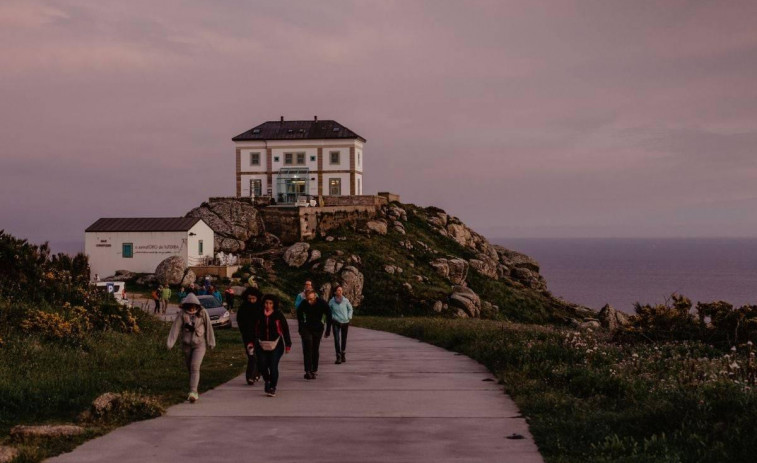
x=289, y=159
x=140, y=244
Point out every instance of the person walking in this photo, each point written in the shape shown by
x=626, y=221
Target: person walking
x=272, y=340
x=217, y=294
x=165, y=295
x=229, y=294
x=155, y=295
x=341, y=314
x=311, y=315
x=303, y=295
x=192, y=326
x=249, y=312
x=182, y=294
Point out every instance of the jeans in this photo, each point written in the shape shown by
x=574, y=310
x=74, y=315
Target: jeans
x=193, y=358
x=340, y=336
x=311, y=342
x=268, y=363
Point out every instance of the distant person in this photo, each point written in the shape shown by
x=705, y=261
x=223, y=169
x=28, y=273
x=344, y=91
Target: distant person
x=312, y=313
x=192, y=325
x=155, y=295
x=182, y=294
x=192, y=289
x=216, y=293
x=97, y=278
x=303, y=295
x=206, y=284
x=248, y=314
x=229, y=295
x=201, y=291
x=165, y=295
x=341, y=314
x=270, y=327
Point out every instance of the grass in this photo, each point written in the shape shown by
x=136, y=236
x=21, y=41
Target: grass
x=590, y=400
x=45, y=382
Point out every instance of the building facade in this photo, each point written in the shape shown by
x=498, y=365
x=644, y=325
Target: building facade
x=140, y=244
x=289, y=160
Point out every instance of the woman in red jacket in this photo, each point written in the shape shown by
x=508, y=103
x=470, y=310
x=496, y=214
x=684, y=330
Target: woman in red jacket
x=271, y=341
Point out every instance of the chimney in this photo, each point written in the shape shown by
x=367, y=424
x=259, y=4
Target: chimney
x=315, y=118
x=282, y=118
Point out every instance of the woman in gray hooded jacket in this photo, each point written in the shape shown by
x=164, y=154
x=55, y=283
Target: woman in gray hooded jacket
x=192, y=325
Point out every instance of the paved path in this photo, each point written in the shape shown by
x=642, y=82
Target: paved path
x=395, y=400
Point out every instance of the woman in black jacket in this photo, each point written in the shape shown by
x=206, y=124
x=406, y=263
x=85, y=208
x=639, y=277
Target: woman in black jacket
x=270, y=328
x=248, y=313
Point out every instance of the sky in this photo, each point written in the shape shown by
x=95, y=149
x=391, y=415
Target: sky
x=523, y=118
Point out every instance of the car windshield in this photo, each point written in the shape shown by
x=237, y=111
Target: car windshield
x=209, y=302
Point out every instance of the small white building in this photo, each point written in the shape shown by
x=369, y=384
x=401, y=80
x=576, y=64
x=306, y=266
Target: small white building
x=288, y=159
x=140, y=244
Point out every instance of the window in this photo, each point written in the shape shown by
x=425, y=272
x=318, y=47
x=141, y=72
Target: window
x=199, y=247
x=256, y=131
x=290, y=158
x=127, y=250
x=254, y=159
x=312, y=158
x=334, y=155
x=358, y=158
x=256, y=187
x=275, y=159
x=359, y=187
x=335, y=186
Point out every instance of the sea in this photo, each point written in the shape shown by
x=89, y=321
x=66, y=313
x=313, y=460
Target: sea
x=621, y=272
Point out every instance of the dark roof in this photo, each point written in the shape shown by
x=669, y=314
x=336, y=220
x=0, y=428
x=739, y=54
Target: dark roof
x=143, y=224
x=298, y=130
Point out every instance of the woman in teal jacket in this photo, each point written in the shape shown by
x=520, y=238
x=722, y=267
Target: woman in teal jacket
x=341, y=314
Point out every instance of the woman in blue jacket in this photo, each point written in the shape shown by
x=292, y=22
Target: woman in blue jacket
x=341, y=314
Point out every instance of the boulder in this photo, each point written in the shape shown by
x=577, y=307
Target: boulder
x=529, y=278
x=378, y=227
x=171, y=270
x=612, y=319
x=459, y=233
x=465, y=299
x=352, y=284
x=329, y=239
x=297, y=254
x=189, y=278
x=399, y=228
x=485, y=266
x=458, y=270
x=513, y=259
x=438, y=306
x=390, y=269
x=314, y=255
x=441, y=267
x=120, y=275
x=332, y=266
x=590, y=325
x=408, y=287
x=235, y=221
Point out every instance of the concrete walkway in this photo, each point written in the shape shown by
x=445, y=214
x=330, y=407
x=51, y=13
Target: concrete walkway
x=395, y=400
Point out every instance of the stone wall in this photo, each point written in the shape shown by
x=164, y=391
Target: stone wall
x=364, y=200
x=293, y=224
x=390, y=197
x=283, y=222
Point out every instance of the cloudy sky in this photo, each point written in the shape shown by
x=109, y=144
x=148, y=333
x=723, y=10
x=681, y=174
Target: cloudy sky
x=524, y=118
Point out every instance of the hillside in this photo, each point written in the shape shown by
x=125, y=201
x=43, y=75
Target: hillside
x=403, y=260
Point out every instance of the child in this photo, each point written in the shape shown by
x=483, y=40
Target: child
x=193, y=325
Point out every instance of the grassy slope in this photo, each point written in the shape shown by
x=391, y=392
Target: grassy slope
x=588, y=400
x=384, y=293
x=46, y=382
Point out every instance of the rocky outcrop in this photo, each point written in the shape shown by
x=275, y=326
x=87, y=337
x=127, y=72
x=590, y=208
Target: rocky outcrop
x=522, y=268
x=297, y=254
x=377, y=227
x=611, y=318
x=455, y=270
x=352, y=281
x=486, y=266
x=466, y=301
x=7, y=454
x=189, y=278
x=170, y=271
x=237, y=224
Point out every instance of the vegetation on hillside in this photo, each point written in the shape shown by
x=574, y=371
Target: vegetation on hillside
x=591, y=399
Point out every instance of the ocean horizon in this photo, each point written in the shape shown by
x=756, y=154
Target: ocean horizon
x=622, y=271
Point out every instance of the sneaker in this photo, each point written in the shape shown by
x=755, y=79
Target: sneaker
x=250, y=382
x=272, y=392
x=338, y=359
x=193, y=397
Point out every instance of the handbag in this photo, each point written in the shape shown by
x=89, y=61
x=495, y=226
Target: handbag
x=269, y=345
